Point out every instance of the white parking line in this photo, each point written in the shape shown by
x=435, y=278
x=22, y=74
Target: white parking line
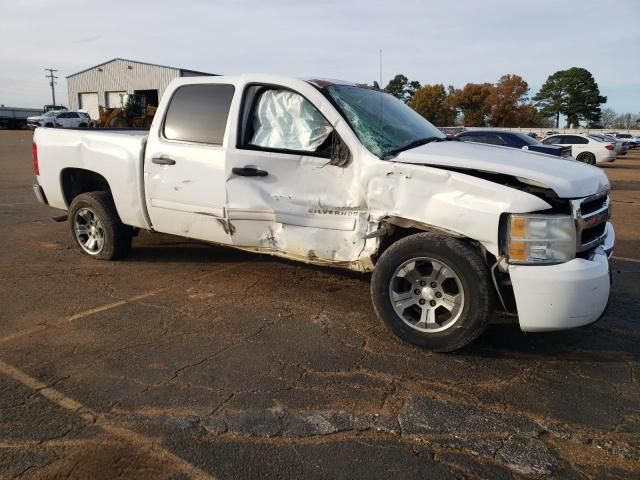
x=86, y=313
x=103, y=308
x=109, y=306
x=60, y=399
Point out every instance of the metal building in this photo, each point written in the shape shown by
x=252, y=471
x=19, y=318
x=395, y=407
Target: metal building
x=104, y=84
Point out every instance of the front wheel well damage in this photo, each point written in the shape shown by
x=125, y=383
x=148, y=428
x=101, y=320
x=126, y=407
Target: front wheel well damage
x=396, y=228
x=75, y=181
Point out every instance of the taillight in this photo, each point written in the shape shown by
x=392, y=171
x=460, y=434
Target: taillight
x=34, y=152
x=608, y=146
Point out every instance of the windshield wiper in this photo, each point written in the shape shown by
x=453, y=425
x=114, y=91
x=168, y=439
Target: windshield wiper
x=414, y=144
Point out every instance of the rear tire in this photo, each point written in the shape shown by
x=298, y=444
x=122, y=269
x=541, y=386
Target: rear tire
x=587, y=157
x=96, y=228
x=458, y=297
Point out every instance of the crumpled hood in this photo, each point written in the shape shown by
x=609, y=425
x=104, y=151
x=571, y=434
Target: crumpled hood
x=565, y=176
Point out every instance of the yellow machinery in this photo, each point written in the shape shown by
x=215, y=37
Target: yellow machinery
x=134, y=113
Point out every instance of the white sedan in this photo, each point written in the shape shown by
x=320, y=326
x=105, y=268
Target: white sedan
x=584, y=148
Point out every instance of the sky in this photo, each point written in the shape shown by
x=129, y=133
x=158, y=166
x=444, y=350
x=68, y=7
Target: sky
x=449, y=42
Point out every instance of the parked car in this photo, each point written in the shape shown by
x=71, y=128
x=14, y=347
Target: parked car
x=60, y=118
x=302, y=170
x=634, y=142
x=621, y=145
x=72, y=120
x=584, y=148
x=513, y=140
x=45, y=120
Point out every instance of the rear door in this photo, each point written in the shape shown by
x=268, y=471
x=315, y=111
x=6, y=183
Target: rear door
x=185, y=163
x=73, y=120
x=283, y=194
x=62, y=120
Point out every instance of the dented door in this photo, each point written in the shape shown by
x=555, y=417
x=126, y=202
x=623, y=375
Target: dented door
x=283, y=199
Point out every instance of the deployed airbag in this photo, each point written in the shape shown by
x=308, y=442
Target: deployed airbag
x=284, y=119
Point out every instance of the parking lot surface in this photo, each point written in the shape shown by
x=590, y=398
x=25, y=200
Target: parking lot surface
x=192, y=361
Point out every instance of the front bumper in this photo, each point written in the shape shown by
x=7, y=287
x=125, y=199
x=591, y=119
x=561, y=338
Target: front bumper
x=568, y=295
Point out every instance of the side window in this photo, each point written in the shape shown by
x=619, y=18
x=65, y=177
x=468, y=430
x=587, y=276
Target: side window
x=198, y=113
x=474, y=138
x=494, y=139
x=62, y=115
x=73, y=115
x=279, y=119
x=574, y=140
x=552, y=140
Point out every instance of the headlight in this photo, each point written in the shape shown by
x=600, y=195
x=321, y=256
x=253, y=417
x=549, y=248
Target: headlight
x=538, y=239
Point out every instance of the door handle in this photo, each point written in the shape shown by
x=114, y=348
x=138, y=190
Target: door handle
x=163, y=160
x=249, y=172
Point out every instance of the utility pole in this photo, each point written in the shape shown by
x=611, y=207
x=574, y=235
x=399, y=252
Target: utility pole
x=52, y=81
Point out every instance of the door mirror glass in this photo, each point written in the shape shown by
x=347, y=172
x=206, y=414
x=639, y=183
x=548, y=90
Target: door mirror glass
x=339, y=151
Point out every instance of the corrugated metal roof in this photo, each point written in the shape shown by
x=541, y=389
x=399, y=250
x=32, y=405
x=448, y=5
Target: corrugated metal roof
x=141, y=63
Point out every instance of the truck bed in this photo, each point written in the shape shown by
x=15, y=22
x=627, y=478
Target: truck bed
x=116, y=155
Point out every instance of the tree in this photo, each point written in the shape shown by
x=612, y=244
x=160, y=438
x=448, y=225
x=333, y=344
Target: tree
x=529, y=116
x=433, y=103
x=507, y=100
x=608, y=117
x=574, y=93
x=400, y=87
x=625, y=120
x=472, y=103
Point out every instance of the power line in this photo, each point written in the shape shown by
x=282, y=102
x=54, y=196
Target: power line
x=52, y=81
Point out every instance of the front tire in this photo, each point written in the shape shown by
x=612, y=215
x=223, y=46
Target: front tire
x=96, y=228
x=433, y=291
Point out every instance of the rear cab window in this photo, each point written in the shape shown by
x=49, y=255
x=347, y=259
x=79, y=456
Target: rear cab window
x=198, y=113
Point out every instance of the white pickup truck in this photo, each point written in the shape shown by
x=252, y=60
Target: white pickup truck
x=332, y=173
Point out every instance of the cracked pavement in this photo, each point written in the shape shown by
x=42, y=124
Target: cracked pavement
x=188, y=361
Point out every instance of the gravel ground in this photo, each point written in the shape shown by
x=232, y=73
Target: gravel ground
x=190, y=361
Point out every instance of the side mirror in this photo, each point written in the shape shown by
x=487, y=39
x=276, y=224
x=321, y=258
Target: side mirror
x=339, y=151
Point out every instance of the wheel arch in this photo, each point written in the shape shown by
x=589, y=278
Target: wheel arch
x=396, y=228
x=75, y=181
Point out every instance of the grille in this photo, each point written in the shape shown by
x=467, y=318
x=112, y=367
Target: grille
x=591, y=215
